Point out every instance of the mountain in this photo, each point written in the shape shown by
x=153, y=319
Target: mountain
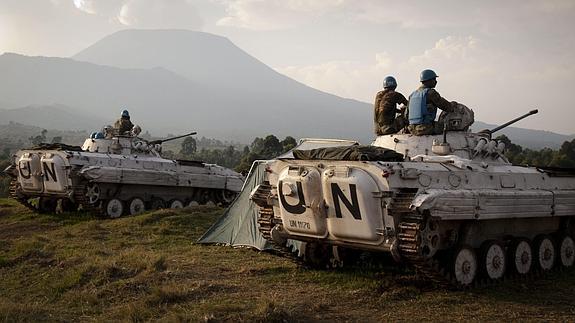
x=156, y=95
x=201, y=57
x=533, y=139
x=14, y=135
x=163, y=101
x=52, y=117
x=174, y=81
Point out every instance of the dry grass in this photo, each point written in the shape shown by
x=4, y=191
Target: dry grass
x=75, y=267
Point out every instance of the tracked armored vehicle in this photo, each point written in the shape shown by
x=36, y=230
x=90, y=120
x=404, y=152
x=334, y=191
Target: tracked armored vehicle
x=451, y=206
x=114, y=175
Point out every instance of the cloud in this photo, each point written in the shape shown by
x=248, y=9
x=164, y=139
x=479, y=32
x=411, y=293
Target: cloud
x=488, y=14
x=160, y=14
x=275, y=14
x=144, y=13
x=451, y=51
x=499, y=85
x=350, y=79
x=281, y=14
x=98, y=7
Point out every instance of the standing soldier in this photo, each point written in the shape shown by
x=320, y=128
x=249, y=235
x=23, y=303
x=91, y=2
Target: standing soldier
x=423, y=105
x=385, y=108
x=124, y=125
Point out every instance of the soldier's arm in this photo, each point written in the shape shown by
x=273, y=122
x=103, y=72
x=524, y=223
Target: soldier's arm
x=436, y=99
x=377, y=100
x=400, y=99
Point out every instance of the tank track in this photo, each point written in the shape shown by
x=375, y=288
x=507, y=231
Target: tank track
x=79, y=193
x=266, y=222
x=409, y=239
x=13, y=193
x=436, y=268
x=410, y=250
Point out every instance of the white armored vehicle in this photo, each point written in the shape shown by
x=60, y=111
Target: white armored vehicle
x=451, y=206
x=115, y=175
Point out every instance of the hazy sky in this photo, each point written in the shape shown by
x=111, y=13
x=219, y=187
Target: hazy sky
x=501, y=58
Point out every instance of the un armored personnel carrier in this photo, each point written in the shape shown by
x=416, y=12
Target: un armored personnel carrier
x=451, y=206
x=114, y=175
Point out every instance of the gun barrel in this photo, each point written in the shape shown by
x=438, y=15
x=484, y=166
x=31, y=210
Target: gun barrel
x=173, y=138
x=513, y=121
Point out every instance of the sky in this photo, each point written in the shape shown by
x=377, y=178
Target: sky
x=500, y=58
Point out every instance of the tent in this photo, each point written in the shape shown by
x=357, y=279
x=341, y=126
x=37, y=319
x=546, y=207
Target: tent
x=238, y=226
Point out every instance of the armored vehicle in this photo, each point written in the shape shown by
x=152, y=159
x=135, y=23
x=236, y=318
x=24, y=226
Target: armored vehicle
x=113, y=175
x=450, y=205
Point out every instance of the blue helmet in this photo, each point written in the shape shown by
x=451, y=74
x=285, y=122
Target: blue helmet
x=125, y=114
x=427, y=75
x=389, y=81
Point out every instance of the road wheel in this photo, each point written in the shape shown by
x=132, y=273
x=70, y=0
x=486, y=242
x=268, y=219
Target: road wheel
x=114, y=208
x=157, y=204
x=93, y=193
x=202, y=196
x=566, y=251
x=226, y=197
x=176, y=204
x=520, y=256
x=493, y=260
x=136, y=206
x=544, y=252
x=465, y=266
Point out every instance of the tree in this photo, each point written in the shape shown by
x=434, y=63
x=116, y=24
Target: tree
x=5, y=153
x=288, y=143
x=568, y=149
x=38, y=139
x=257, y=146
x=272, y=147
x=546, y=157
x=189, y=147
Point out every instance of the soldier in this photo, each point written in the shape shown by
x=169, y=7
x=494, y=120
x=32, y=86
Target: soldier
x=423, y=104
x=124, y=125
x=385, y=108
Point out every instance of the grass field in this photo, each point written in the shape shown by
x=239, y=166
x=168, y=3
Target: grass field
x=75, y=267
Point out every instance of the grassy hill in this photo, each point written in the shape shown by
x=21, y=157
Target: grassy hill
x=73, y=266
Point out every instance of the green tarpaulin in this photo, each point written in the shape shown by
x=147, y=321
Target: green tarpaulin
x=238, y=225
x=355, y=152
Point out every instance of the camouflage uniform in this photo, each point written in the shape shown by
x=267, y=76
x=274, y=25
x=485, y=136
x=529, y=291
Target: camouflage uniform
x=434, y=101
x=385, y=121
x=123, y=125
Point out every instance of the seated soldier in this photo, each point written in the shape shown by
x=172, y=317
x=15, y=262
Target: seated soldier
x=423, y=105
x=124, y=125
x=385, y=109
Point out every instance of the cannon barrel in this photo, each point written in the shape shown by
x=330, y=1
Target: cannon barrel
x=513, y=121
x=155, y=142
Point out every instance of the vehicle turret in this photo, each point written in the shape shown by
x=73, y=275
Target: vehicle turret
x=127, y=145
x=456, y=142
